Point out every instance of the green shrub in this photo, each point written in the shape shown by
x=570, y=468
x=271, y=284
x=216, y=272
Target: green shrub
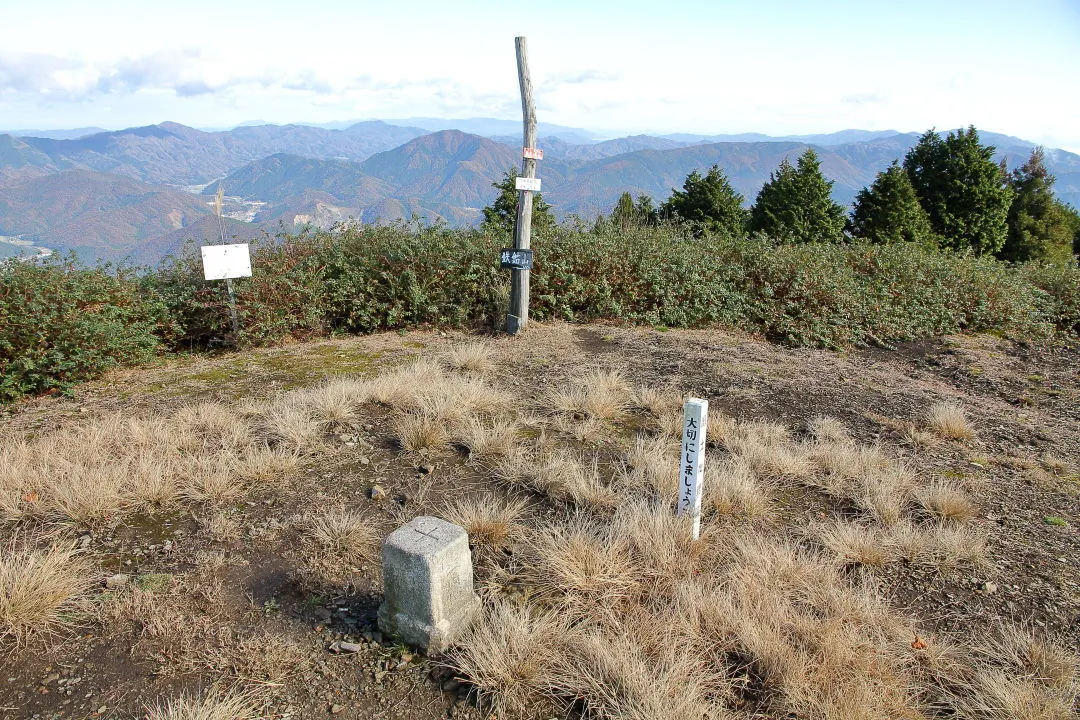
x=60, y=324
x=1061, y=285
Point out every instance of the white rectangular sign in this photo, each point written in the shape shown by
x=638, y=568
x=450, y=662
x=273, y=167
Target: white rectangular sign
x=532, y=153
x=692, y=460
x=524, y=183
x=221, y=262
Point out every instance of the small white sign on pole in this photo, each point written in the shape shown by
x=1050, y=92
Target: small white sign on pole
x=692, y=460
x=223, y=262
x=524, y=183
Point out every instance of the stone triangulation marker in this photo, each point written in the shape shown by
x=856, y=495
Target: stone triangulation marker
x=427, y=583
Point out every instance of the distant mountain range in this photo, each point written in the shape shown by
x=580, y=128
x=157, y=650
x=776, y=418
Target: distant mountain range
x=140, y=193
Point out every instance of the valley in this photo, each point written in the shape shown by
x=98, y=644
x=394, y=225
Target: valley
x=139, y=194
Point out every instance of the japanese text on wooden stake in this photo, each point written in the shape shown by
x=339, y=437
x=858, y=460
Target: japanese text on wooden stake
x=692, y=460
x=527, y=183
x=532, y=153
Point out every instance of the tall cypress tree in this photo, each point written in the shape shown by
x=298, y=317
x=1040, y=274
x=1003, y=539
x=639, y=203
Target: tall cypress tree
x=964, y=192
x=1039, y=227
x=796, y=204
x=502, y=212
x=888, y=211
x=708, y=203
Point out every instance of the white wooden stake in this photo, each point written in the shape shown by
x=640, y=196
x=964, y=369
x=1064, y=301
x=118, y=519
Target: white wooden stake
x=692, y=460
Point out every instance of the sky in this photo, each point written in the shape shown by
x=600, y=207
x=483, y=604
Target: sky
x=618, y=68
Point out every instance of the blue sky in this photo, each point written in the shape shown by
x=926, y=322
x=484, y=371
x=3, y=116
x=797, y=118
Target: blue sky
x=706, y=67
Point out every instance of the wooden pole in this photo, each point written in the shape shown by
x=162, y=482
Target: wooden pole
x=518, y=317
x=219, y=201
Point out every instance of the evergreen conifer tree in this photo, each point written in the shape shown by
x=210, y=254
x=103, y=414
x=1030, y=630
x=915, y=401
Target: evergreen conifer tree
x=707, y=203
x=501, y=214
x=796, y=204
x=624, y=215
x=627, y=213
x=1039, y=226
x=888, y=211
x=964, y=192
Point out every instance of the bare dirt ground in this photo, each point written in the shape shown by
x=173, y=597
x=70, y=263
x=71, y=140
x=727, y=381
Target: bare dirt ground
x=226, y=590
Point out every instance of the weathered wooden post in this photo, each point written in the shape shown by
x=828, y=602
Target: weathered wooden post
x=692, y=460
x=233, y=316
x=228, y=262
x=518, y=316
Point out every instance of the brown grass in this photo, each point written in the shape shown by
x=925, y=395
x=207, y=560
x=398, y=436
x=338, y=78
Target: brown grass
x=950, y=421
x=490, y=520
x=827, y=429
x=38, y=588
x=657, y=401
x=488, y=439
x=600, y=394
x=476, y=358
x=509, y=654
x=211, y=707
x=731, y=488
x=946, y=502
x=855, y=543
x=419, y=433
x=340, y=534
x=652, y=465
x=261, y=659
x=582, y=567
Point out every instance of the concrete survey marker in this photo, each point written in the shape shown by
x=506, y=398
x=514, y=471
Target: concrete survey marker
x=427, y=583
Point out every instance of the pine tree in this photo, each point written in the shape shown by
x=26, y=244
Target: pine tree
x=708, y=204
x=624, y=215
x=501, y=214
x=647, y=212
x=964, y=192
x=627, y=214
x=1039, y=226
x=796, y=204
x=888, y=211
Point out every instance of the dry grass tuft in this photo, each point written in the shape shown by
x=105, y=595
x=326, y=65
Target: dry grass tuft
x=1023, y=652
x=601, y=394
x=509, y=654
x=290, y=423
x=613, y=677
x=227, y=707
x=490, y=520
x=884, y=494
x=732, y=488
x=476, y=358
x=347, y=535
x=997, y=695
x=420, y=433
x=942, y=546
x=827, y=429
x=946, y=502
x=950, y=421
x=336, y=403
x=38, y=588
x=766, y=447
x=582, y=567
x=265, y=658
x=856, y=543
x=652, y=465
x=657, y=401
x=401, y=388
x=488, y=439
x=670, y=425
